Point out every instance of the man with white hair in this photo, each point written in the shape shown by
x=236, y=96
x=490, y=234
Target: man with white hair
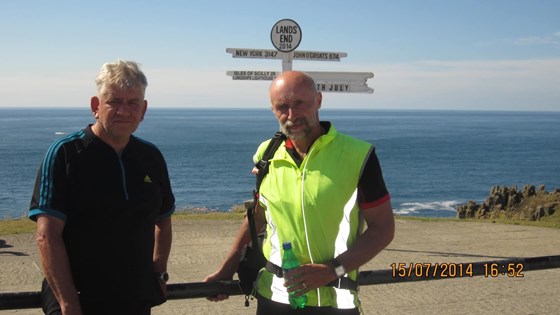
x=103, y=203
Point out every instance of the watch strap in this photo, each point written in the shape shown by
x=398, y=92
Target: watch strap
x=339, y=269
x=163, y=276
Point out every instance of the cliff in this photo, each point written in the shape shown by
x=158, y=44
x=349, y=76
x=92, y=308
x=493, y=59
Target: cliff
x=527, y=204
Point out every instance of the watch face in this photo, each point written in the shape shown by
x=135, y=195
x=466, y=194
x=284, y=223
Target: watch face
x=163, y=277
x=339, y=270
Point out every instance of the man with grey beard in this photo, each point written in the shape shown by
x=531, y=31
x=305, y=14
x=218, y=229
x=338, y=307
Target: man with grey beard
x=322, y=186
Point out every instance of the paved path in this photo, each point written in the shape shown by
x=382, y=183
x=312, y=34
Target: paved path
x=200, y=245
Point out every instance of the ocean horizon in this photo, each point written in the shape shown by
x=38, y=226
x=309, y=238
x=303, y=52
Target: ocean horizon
x=432, y=160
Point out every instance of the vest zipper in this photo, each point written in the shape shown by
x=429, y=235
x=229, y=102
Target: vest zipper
x=306, y=160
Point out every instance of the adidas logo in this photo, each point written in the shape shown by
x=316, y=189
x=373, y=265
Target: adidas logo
x=147, y=179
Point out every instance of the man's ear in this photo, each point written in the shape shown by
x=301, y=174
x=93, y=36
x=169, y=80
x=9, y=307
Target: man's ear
x=94, y=103
x=144, y=109
x=319, y=99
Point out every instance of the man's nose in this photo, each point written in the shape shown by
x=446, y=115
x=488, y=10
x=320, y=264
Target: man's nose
x=124, y=109
x=291, y=113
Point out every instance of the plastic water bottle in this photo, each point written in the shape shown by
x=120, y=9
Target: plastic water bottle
x=289, y=262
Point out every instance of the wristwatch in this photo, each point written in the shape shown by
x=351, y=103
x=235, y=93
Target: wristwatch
x=338, y=268
x=163, y=276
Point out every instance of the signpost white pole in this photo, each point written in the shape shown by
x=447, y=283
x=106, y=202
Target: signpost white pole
x=287, y=63
x=286, y=37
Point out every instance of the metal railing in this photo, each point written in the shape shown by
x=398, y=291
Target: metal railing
x=514, y=267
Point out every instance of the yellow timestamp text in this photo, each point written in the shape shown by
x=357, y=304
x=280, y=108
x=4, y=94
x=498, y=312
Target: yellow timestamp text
x=513, y=270
x=456, y=270
x=431, y=270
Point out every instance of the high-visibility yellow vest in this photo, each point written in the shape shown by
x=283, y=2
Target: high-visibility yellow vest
x=313, y=206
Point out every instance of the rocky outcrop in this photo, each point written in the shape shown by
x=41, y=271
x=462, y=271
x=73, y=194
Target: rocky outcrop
x=528, y=204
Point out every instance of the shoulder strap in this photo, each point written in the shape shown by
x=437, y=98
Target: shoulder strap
x=262, y=167
x=263, y=164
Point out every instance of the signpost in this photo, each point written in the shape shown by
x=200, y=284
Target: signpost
x=253, y=75
x=275, y=54
x=286, y=36
x=318, y=55
x=341, y=82
x=255, y=53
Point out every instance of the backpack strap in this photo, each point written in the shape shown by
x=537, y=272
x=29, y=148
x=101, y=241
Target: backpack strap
x=263, y=164
x=262, y=167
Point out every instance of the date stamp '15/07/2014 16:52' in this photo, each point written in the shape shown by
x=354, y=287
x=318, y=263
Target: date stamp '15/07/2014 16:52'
x=456, y=270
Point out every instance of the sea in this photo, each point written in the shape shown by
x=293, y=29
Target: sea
x=432, y=160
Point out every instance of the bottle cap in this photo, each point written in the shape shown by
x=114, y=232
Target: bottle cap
x=287, y=245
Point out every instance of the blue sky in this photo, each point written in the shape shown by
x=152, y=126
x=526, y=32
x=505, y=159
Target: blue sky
x=498, y=55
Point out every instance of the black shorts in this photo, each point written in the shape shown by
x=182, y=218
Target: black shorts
x=269, y=307
x=50, y=305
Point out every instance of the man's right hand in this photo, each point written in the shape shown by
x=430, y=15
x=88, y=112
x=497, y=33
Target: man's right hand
x=217, y=276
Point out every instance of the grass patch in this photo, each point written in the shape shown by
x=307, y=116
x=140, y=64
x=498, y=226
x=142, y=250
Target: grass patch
x=24, y=225
x=16, y=226
x=426, y=219
x=552, y=221
x=208, y=216
x=235, y=213
x=19, y=226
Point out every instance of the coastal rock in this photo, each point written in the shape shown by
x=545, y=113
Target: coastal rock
x=467, y=211
x=528, y=204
